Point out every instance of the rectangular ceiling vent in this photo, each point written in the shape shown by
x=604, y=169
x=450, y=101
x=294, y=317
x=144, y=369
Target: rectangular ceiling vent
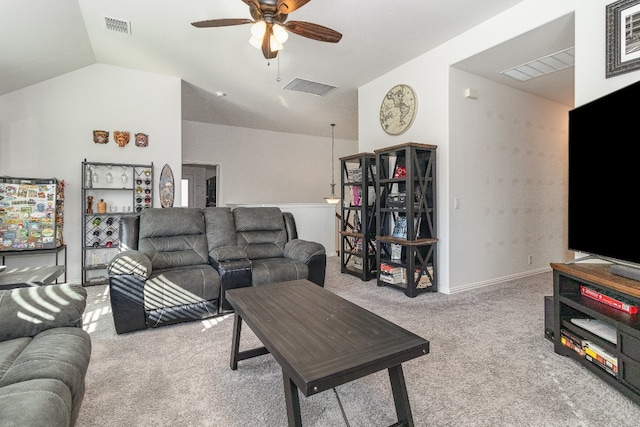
x=542, y=66
x=307, y=86
x=117, y=25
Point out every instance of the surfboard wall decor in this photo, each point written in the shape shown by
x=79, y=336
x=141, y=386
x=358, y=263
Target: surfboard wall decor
x=166, y=187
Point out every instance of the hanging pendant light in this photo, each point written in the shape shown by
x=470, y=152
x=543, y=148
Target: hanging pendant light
x=332, y=198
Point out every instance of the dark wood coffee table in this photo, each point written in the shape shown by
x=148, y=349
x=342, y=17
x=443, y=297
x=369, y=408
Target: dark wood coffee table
x=321, y=341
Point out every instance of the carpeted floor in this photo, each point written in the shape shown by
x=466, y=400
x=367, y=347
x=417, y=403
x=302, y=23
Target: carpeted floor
x=489, y=365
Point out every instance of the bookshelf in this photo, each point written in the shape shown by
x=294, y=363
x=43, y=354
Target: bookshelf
x=406, y=218
x=357, y=219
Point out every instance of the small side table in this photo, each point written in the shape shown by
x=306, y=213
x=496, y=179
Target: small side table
x=56, y=251
x=30, y=276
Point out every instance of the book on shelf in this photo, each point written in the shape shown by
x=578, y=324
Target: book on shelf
x=571, y=341
x=420, y=277
x=612, y=301
x=396, y=251
x=357, y=263
x=390, y=273
x=600, y=357
x=400, y=227
x=355, y=196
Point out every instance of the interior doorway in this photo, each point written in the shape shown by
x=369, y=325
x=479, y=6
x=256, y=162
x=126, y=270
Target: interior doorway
x=201, y=183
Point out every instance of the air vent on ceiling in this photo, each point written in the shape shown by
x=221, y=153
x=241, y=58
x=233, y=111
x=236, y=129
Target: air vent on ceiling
x=307, y=86
x=117, y=25
x=542, y=66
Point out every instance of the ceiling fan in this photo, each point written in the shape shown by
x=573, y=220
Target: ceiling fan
x=269, y=18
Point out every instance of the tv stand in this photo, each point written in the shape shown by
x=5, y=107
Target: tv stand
x=625, y=271
x=569, y=303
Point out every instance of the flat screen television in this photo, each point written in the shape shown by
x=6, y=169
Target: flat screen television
x=604, y=177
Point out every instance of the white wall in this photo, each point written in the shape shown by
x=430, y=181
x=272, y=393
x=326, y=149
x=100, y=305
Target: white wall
x=508, y=175
x=258, y=166
x=264, y=167
x=46, y=131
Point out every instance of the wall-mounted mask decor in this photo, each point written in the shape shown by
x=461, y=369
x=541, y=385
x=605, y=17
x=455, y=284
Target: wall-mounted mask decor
x=121, y=137
x=100, y=136
x=142, y=139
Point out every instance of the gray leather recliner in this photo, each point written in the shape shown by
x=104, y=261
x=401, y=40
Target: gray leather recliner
x=175, y=264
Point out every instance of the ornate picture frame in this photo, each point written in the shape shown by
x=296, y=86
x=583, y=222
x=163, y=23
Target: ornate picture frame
x=623, y=37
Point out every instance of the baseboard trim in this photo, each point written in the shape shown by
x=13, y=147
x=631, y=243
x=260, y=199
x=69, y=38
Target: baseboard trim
x=498, y=280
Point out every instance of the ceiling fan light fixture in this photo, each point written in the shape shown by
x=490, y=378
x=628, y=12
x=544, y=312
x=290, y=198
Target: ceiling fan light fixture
x=280, y=33
x=274, y=45
x=258, y=29
x=257, y=43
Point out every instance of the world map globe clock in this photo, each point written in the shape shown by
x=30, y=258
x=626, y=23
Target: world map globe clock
x=398, y=109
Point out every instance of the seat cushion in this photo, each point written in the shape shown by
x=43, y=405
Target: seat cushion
x=36, y=403
x=273, y=270
x=10, y=350
x=181, y=286
x=60, y=354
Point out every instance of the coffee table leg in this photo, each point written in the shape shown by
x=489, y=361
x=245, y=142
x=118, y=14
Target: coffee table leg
x=293, y=402
x=235, y=341
x=400, y=395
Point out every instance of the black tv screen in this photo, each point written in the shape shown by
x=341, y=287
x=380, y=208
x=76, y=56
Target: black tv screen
x=604, y=176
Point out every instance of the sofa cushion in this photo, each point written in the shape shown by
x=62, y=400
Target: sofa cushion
x=260, y=231
x=173, y=237
x=181, y=286
x=25, y=312
x=36, y=403
x=10, y=350
x=60, y=354
x=273, y=270
x=221, y=229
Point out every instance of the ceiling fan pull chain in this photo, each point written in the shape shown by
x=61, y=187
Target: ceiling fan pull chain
x=278, y=79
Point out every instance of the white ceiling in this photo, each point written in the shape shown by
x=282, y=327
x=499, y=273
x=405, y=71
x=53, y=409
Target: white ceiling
x=42, y=39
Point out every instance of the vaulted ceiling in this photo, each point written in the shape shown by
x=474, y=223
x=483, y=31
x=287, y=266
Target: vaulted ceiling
x=42, y=39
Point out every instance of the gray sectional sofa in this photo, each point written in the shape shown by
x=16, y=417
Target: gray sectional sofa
x=176, y=264
x=44, y=355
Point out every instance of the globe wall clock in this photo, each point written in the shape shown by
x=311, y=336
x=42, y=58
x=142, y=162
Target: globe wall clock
x=398, y=109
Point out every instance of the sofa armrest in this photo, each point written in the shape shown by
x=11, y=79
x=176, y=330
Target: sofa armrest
x=303, y=250
x=227, y=253
x=130, y=263
x=126, y=292
x=25, y=312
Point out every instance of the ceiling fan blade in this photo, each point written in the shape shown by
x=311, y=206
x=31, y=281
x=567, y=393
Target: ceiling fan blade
x=313, y=31
x=288, y=6
x=266, y=43
x=221, y=22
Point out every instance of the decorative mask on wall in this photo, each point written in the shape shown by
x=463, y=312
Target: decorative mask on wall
x=142, y=139
x=100, y=136
x=121, y=137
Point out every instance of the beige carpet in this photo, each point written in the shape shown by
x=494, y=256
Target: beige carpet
x=489, y=365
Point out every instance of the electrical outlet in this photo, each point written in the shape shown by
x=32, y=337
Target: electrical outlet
x=530, y=259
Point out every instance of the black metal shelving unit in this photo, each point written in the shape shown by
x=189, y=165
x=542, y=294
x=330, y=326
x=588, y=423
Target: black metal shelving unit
x=126, y=189
x=406, y=218
x=357, y=219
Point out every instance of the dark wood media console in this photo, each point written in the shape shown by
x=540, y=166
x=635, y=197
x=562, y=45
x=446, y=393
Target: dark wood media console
x=569, y=303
